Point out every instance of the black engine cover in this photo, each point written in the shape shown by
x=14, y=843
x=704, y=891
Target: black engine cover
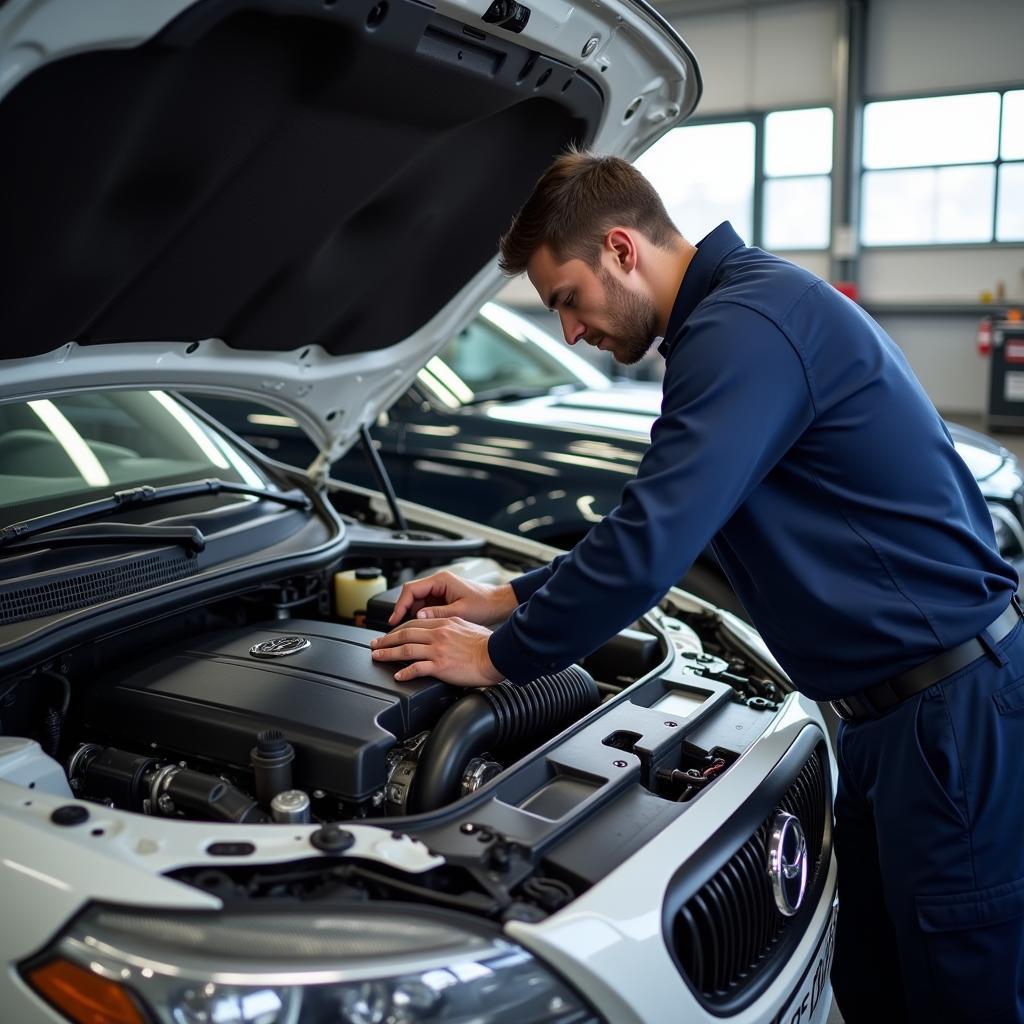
x=341, y=711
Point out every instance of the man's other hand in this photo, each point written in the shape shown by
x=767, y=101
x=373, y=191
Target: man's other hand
x=444, y=595
x=452, y=650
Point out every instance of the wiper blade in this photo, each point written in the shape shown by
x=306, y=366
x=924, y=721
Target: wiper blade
x=137, y=497
x=189, y=537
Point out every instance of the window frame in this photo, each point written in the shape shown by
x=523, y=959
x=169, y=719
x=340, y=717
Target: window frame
x=997, y=163
x=758, y=118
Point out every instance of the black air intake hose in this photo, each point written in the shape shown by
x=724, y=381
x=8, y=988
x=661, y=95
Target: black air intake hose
x=491, y=718
x=211, y=799
x=138, y=782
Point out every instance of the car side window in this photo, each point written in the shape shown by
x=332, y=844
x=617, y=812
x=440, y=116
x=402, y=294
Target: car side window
x=487, y=359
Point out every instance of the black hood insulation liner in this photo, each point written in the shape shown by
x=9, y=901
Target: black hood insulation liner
x=276, y=173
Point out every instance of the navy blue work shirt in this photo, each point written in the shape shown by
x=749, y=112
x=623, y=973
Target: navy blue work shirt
x=795, y=438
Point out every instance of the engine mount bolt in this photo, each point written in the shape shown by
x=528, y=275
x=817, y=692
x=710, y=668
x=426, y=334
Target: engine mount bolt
x=619, y=764
x=332, y=839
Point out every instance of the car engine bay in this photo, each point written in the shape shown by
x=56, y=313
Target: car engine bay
x=299, y=709
x=267, y=707
x=259, y=722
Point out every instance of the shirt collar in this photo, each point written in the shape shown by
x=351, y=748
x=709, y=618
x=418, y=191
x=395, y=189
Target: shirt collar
x=696, y=283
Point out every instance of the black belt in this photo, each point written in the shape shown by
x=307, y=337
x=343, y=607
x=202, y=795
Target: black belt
x=876, y=700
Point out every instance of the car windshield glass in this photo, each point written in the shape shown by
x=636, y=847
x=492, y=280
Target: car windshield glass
x=57, y=452
x=483, y=358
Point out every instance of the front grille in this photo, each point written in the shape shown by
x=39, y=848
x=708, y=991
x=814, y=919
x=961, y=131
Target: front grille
x=77, y=590
x=730, y=931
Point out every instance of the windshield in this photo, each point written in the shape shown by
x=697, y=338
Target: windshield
x=483, y=360
x=56, y=452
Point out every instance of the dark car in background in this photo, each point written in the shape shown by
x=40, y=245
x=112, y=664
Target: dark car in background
x=509, y=427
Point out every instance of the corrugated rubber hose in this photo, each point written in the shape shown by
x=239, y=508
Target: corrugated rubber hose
x=491, y=718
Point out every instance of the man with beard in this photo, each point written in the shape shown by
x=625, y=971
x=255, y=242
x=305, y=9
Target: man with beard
x=796, y=440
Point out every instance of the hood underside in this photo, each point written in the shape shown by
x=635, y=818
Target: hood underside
x=265, y=195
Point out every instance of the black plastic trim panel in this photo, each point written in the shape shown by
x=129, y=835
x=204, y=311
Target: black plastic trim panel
x=713, y=859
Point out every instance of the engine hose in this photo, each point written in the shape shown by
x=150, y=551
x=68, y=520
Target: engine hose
x=491, y=718
x=139, y=782
x=211, y=799
x=53, y=721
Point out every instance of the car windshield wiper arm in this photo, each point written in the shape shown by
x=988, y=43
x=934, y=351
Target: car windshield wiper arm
x=137, y=497
x=189, y=537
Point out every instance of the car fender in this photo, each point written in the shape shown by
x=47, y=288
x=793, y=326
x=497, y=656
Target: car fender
x=556, y=516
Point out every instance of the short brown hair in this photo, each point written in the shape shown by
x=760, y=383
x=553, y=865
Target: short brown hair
x=577, y=200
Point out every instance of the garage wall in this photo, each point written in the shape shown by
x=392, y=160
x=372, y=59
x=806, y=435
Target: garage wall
x=776, y=54
x=762, y=58
x=755, y=59
x=921, y=46
x=937, y=46
x=781, y=54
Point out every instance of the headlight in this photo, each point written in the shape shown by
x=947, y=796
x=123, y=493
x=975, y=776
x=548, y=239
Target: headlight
x=1008, y=531
x=125, y=966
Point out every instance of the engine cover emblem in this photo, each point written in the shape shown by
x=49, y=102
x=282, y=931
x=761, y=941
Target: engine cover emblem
x=279, y=647
x=787, y=863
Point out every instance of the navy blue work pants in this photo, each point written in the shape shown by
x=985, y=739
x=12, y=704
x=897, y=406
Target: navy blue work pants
x=930, y=847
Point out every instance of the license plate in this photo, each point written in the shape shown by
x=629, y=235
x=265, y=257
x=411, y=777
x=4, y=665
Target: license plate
x=804, y=1002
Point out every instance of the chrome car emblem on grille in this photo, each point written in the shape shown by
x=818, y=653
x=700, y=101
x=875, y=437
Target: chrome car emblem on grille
x=278, y=647
x=787, y=863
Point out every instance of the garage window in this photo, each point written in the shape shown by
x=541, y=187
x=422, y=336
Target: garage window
x=798, y=186
x=769, y=174
x=704, y=175
x=944, y=169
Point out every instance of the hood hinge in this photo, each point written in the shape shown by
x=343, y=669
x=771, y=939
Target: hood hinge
x=319, y=469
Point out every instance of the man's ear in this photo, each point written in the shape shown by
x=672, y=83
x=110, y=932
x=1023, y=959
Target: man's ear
x=623, y=248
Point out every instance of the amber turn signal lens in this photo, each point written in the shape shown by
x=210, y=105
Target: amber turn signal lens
x=82, y=996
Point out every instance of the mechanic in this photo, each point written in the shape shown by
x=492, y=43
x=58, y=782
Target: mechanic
x=796, y=440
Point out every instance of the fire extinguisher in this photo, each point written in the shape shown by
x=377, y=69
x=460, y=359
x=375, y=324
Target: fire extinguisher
x=985, y=336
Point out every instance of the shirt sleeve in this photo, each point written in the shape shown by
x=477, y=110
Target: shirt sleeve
x=529, y=583
x=736, y=398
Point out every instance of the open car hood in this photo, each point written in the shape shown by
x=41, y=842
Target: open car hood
x=296, y=201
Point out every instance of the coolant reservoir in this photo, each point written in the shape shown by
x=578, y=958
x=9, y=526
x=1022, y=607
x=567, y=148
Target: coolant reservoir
x=353, y=588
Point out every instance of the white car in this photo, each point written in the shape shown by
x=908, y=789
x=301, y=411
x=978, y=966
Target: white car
x=215, y=808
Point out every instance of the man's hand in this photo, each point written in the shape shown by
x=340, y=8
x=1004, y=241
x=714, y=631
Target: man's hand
x=444, y=595
x=452, y=650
